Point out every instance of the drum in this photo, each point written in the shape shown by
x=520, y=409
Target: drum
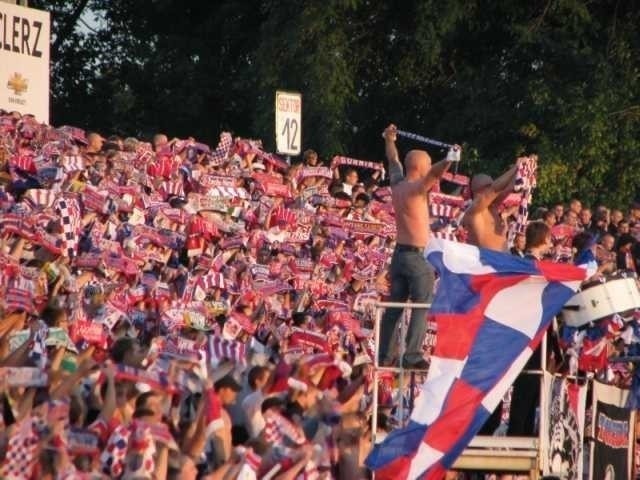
x=616, y=293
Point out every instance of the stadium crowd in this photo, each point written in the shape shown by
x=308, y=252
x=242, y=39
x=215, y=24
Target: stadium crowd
x=175, y=311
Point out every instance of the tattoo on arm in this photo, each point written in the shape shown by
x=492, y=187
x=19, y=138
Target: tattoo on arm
x=396, y=174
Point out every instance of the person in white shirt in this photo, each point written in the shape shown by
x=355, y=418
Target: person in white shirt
x=252, y=403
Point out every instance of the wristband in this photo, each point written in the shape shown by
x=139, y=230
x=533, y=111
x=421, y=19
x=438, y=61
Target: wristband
x=453, y=155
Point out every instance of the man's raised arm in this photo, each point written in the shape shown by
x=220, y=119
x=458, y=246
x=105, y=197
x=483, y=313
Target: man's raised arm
x=396, y=173
x=498, y=190
x=503, y=185
x=439, y=168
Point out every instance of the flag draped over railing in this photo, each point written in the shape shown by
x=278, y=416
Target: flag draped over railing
x=492, y=310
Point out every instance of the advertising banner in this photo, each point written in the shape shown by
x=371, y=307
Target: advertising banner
x=24, y=60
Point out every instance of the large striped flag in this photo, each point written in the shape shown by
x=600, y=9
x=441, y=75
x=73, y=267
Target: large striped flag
x=492, y=310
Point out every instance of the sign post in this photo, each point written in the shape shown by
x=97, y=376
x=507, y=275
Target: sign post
x=24, y=60
x=288, y=122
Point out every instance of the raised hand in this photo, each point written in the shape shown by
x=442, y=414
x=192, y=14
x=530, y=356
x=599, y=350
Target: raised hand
x=390, y=133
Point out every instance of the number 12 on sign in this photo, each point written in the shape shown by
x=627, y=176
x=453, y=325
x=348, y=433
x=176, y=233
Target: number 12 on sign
x=288, y=123
x=290, y=132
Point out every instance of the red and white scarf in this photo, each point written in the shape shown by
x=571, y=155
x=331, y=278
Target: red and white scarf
x=277, y=428
x=354, y=162
x=524, y=184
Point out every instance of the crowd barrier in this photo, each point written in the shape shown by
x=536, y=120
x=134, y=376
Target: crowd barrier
x=484, y=453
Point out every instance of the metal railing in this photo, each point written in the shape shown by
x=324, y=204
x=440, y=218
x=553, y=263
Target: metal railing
x=380, y=307
x=528, y=444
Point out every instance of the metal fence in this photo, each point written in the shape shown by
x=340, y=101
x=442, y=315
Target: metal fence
x=484, y=452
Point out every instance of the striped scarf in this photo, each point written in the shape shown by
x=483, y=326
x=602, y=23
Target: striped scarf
x=20, y=295
x=524, y=184
x=72, y=163
x=23, y=160
x=421, y=139
x=250, y=466
x=354, y=162
x=95, y=200
x=219, y=349
x=24, y=376
x=278, y=428
x=282, y=215
x=39, y=197
x=211, y=281
x=173, y=188
x=307, y=338
x=200, y=226
x=178, y=347
x=83, y=442
x=229, y=192
x=155, y=380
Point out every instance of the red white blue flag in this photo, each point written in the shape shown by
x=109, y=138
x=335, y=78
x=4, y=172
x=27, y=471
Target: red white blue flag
x=492, y=310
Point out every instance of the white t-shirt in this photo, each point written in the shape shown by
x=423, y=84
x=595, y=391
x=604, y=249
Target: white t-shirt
x=252, y=406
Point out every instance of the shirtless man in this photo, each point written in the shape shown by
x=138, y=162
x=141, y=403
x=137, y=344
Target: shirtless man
x=411, y=276
x=485, y=225
x=487, y=228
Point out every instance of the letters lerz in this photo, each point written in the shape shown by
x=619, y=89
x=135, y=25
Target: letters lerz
x=20, y=35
